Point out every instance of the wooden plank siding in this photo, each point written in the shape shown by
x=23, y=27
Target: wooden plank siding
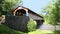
x=33, y=16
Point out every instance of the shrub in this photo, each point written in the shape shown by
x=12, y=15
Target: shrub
x=31, y=25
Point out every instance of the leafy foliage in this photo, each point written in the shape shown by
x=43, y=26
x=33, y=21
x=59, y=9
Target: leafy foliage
x=52, y=12
x=8, y=5
x=31, y=25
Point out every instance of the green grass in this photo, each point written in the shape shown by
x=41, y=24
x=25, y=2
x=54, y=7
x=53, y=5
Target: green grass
x=45, y=32
x=57, y=32
x=6, y=30
x=41, y=32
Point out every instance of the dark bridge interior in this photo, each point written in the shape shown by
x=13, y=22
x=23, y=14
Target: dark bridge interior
x=20, y=12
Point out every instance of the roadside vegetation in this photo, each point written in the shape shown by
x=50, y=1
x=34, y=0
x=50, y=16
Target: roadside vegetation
x=52, y=16
x=6, y=30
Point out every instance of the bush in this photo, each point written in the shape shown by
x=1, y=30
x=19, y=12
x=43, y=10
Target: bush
x=31, y=25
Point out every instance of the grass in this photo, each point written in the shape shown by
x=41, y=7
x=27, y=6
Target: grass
x=6, y=30
x=57, y=32
x=45, y=32
x=41, y=32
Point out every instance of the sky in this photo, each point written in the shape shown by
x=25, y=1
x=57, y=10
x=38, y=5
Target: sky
x=35, y=5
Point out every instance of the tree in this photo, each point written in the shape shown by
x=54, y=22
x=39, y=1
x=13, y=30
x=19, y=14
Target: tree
x=8, y=5
x=52, y=12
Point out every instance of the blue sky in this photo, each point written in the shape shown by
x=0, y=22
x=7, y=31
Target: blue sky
x=35, y=5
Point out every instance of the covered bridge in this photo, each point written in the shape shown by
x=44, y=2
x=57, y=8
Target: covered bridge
x=28, y=12
x=20, y=18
